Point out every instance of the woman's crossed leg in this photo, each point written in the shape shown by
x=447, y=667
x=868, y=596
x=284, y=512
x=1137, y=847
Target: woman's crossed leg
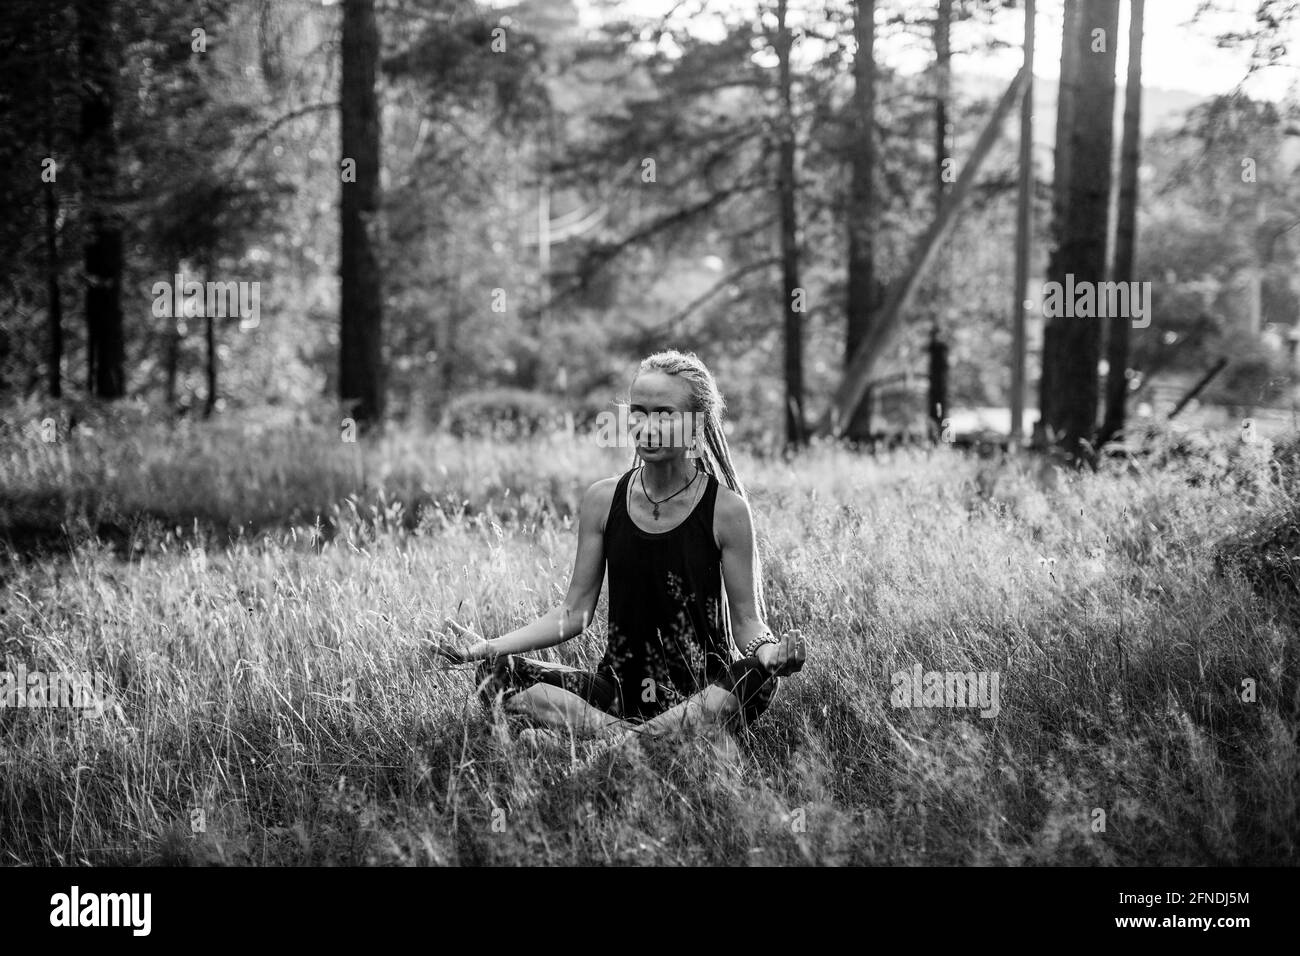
x=587, y=704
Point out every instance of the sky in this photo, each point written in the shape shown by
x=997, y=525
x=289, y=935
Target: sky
x=1177, y=55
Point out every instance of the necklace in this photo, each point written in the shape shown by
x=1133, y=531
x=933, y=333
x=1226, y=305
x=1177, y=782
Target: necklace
x=670, y=497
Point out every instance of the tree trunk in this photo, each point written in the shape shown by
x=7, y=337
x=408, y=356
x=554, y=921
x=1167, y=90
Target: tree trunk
x=1117, y=349
x=937, y=392
x=172, y=362
x=361, y=373
x=53, y=268
x=942, y=94
x=938, y=353
x=862, y=299
x=210, y=358
x=1072, y=345
x=1024, y=235
x=795, y=430
x=1066, y=94
x=54, y=355
x=97, y=56
x=1062, y=165
x=530, y=374
x=1258, y=266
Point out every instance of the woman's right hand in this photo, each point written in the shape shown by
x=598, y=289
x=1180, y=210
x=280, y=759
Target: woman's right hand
x=464, y=647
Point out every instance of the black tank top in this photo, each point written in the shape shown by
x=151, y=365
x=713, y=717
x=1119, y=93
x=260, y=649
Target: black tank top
x=668, y=635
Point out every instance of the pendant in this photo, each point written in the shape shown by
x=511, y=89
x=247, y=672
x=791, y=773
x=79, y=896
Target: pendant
x=656, y=512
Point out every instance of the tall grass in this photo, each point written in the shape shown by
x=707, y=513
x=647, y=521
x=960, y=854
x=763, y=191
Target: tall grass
x=261, y=599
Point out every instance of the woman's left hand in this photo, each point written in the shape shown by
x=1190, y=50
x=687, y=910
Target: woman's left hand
x=784, y=658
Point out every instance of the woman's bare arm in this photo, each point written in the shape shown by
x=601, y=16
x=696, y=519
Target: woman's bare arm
x=735, y=532
x=572, y=617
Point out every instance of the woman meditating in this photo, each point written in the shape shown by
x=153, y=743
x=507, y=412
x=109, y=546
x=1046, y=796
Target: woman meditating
x=679, y=657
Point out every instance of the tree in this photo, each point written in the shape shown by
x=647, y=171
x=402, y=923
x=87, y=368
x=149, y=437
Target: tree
x=1067, y=89
x=361, y=372
x=1203, y=235
x=461, y=210
x=97, y=148
x=937, y=393
x=849, y=395
x=701, y=151
x=794, y=294
x=861, y=206
x=1117, y=348
x=1072, y=346
x=53, y=266
x=1024, y=232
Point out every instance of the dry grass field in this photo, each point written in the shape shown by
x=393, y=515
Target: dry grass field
x=259, y=603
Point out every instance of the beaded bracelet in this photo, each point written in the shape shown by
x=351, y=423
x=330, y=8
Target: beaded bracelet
x=758, y=642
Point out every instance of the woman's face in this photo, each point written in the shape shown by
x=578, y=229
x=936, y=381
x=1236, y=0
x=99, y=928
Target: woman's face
x=660, y=416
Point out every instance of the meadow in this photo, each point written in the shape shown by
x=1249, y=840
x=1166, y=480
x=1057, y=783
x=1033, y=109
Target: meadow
x=261, y=599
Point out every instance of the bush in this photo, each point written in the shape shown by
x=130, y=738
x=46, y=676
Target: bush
x=1256, y=375
x=1268, y=556
x=503, y=413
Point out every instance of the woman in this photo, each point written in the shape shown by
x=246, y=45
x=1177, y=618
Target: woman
x=672, y=535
